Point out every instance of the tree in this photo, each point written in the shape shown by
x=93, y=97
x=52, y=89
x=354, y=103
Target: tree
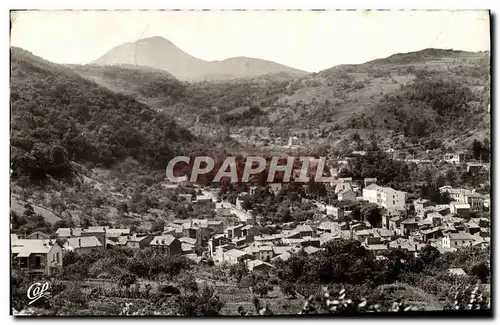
x=126, y=279
x=429, y=254
x=157, y=225
x=476, y=149
x=372, y=214
x=238, y=271
x=202, y=303
x=481, y=270
x=262, y=288
x=288, y=289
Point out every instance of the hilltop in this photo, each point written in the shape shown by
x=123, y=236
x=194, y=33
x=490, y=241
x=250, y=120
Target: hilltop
x=410, y=95
x=160, y=53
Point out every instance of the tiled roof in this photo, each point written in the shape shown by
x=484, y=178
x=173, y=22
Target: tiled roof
x=32, y=246
x=82, y=242
x=164, y=240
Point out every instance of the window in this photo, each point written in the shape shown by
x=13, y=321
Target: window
x=57, y=257
x=38, y=262
x=23, y=262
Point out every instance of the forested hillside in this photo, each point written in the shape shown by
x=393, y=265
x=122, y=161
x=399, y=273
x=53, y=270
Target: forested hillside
x=156, y=88
x=433, y=93
x=58, y=117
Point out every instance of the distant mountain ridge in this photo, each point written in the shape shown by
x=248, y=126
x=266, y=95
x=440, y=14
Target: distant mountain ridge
x=160, y=53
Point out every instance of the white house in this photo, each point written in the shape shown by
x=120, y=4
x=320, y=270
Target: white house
x=459, y=239
x=39, y=256
x=385, y=197
x=370, y=193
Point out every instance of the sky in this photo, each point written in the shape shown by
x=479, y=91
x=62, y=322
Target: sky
x=306, y=40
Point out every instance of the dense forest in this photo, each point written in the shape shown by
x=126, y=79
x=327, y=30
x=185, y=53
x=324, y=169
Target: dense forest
x=59, y=117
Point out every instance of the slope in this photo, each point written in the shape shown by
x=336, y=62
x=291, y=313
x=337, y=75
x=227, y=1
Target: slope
x=409, y=94
x=59, y=117
x=156, y=88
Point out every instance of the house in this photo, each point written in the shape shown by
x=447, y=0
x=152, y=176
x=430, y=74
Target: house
x=347, y=195
x=138, y=242
x=310, y=250
x=240, y=200
x=223, y=209
x=370, y=193
x=185, y=198
x=394, y=223
x=98, y=232
x=408, y=226
x=435, y=219
x=82, y=245
x=407, y=244
x=337, y=213
x=239, y=242
x=329, y=227
x=477, y=167
x=311, y=241
x=216, y=225
x=342, y=186
x=203, y=198
x=113, y=242
x=167, y=244
x=420, y=205
x=233, y=256
x=454, y=158
x=460, y=195
x=217, y=241
x=459, y=208
x=472, y=228
x=475, y=200
x=482, y=242
x=38, y=235
x=38, y=256
x=458, y=239
x=174, y=230
x=258, y=265
x=275, y=187
x=304, y=230
x=249, y=231
x=391, y=199
x=433, y=233
x=457, y=271
x=385, y=234
x=328, y=237
x=68, y=232
x=283, y=256
x=263, y=253
x=369, y=181
x=234, y=231
x=362, y=234
x=375, y=245
x=116, y=232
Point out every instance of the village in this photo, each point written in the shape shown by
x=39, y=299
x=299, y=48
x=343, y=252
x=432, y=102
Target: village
x=236, y=234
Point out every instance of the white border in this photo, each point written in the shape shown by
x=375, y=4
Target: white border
x=195, y=4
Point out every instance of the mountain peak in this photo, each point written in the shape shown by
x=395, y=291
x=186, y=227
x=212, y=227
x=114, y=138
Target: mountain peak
x=160, y=53
x=154, y=40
